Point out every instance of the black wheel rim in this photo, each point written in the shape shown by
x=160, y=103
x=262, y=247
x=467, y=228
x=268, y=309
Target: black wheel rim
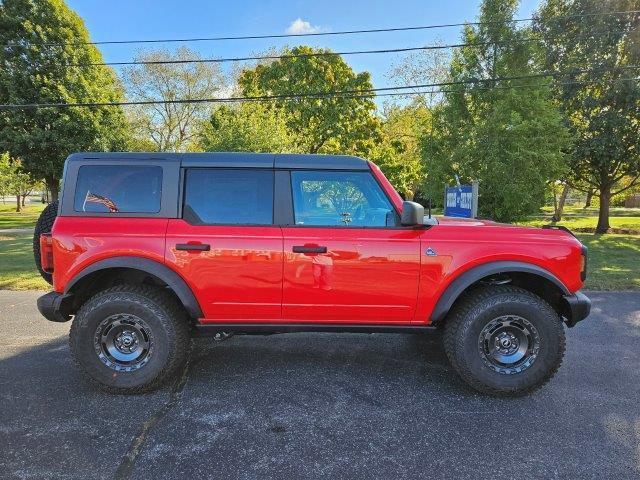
x=123, y=342
x=509, y=344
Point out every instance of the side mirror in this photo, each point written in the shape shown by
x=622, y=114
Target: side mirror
x=412, y=214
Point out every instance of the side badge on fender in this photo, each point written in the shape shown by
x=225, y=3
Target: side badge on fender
x=431, y=252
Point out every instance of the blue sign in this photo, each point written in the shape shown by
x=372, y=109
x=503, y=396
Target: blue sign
x=460, y=201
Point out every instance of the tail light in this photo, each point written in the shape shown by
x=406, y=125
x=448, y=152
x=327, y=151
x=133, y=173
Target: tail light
x=583, y=264
x=46, y=252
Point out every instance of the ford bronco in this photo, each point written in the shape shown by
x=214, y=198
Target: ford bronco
x=145, y=251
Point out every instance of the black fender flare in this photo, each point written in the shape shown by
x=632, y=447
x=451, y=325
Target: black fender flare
x=152, y=267
x=471, y=276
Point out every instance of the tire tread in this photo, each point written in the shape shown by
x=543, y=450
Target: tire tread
x=458, y=322
x=178, y=327
x=44, y=225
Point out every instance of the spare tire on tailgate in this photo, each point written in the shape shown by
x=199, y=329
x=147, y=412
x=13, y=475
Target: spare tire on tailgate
x=44, y=225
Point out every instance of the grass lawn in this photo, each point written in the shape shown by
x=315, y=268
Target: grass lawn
x=17, y=269
x=9, y=218
x=579, y=219
x=614, y=262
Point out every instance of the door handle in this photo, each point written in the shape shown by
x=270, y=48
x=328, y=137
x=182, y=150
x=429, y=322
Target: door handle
x=305, y=249
x=201, y=247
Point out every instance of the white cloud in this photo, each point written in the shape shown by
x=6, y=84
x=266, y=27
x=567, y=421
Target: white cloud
x=299, y=26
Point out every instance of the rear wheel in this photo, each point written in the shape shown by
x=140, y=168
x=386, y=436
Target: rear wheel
x=44, y=225
x=504, y=340
x=130, y=339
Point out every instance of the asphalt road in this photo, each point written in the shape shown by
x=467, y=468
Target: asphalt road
x=321, y=405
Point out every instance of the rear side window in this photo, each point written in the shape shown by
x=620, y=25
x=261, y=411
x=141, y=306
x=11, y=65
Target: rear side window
x=118, y=189
x=228, y=196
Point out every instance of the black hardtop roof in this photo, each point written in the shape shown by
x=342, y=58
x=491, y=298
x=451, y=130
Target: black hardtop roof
x=233, y=159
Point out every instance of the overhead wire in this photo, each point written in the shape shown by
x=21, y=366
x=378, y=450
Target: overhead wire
x=370, y=92
x=316, y=34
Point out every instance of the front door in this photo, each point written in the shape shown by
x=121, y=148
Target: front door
x=345, y=258
x=226, y=246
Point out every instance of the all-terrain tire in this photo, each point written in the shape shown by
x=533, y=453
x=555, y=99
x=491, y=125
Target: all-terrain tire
x=471, y=318
x=44, y=225
x=168, y=345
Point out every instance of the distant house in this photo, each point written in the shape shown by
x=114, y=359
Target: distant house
x=633, y=201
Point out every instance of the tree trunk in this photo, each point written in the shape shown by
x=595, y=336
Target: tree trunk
x=587, y=202
x=24, y=199
x=52, y=185
x=603, y=214
x=18, y=203
x=560, y=203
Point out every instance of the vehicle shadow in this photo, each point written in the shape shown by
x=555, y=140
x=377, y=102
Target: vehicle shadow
x=297, y=405
x=312, y=359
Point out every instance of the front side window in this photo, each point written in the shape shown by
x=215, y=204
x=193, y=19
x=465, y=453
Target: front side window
x=118, y=189
x=228, y=196
x=348, y=199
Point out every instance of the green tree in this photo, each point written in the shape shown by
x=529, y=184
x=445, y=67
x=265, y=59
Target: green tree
x=170, y=126
x=604, y=112
x=247, y=127
x=14, y=181
x=508, y=135
x=398, y=153
x=320, y=125
x=43, y=41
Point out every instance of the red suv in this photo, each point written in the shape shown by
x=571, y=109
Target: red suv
x=146, y=250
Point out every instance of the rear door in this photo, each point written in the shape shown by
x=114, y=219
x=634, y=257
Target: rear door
x=346, y=260
x=226, y=246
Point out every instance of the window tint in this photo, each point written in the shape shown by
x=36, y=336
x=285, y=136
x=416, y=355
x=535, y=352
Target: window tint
x=215, y=195
x=351, y=199
x=118, y=189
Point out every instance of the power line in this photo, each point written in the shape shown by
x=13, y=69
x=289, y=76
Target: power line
x=316, y=34
x=550, y=84
x=307, y=55
x=435, y=91
x=293, y=55
x=294, y=96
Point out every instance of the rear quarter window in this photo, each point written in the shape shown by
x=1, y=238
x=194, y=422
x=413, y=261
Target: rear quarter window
x=118, y=189
x=228, y=196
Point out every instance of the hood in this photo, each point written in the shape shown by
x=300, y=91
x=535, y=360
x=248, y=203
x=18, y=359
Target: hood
x=549, y=233
x=469, y=222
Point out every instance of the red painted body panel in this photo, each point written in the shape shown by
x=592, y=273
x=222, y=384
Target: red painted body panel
x=461, y=246
x=368, y=275
x=80, y=241
x=239, y=278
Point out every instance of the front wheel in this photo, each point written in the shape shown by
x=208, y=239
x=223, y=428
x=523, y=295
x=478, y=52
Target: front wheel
x=504, y=340
x=130, y=339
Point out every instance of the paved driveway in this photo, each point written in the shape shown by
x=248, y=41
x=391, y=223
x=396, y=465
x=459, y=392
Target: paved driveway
x=313, y=405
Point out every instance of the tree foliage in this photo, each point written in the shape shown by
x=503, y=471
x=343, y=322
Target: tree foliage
x=171, y=126
x=32, y=72
x=247, y=127
x=14, y=180
x=508, y=135
x=398, y=153
x=337, y=124
x=603, y=113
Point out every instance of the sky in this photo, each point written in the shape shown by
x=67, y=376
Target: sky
x=155, y=19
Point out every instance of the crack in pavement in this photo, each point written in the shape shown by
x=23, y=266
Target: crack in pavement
x=128, y=461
